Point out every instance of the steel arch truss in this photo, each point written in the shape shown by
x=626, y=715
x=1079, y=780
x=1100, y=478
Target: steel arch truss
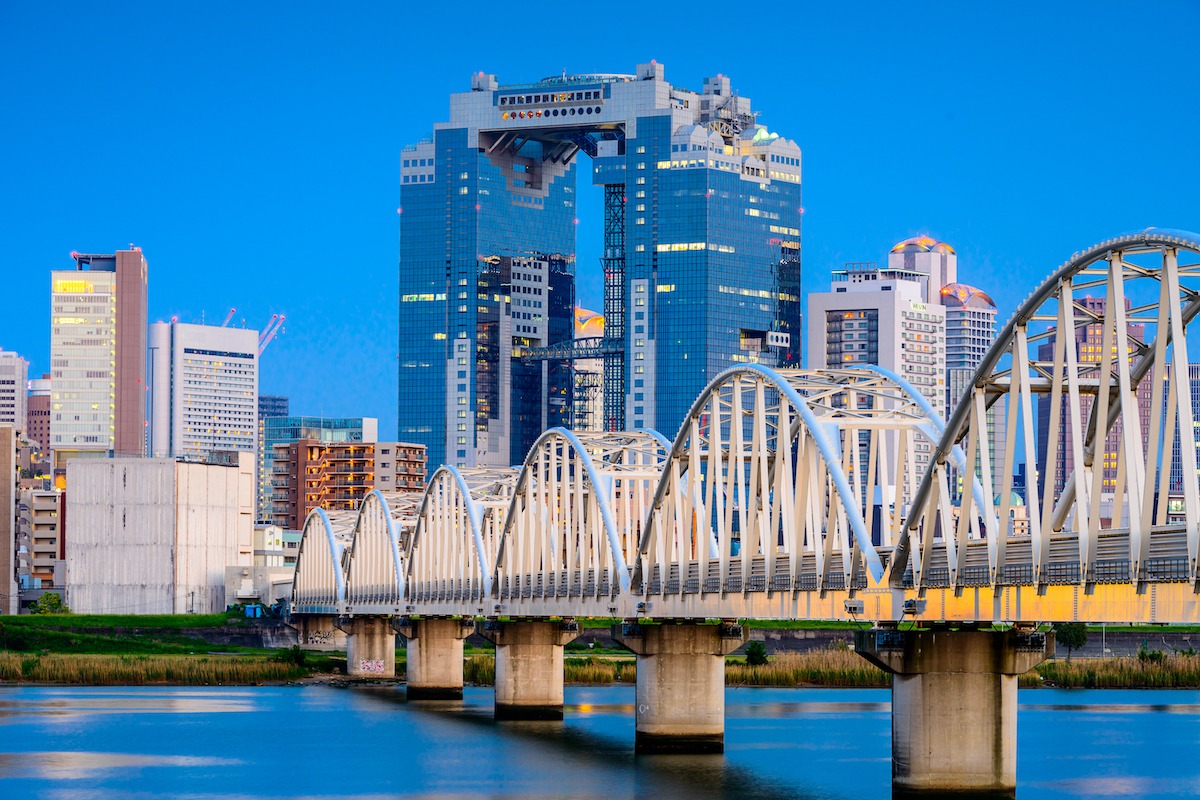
x=374, y=568
x=575, y=522
x=780, y=483
x=452, y=554
x=1113, y=402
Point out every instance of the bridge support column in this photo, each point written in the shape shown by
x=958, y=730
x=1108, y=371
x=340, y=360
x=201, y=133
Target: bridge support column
x=954, y=704
x=435, y=657
x=370, y=647
x=529, y=666
x=318, y=632
x=680, y=684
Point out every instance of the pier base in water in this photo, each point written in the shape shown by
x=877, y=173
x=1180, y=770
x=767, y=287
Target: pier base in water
x=434, y=657
x=680, y=684
x=529, y=667
x=370, y=647
x=954, y=704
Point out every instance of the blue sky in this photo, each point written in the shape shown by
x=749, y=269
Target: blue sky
x=251, y=149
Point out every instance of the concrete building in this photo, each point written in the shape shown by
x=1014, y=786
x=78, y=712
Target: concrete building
x=98, y=356
x=14, y=379
x=701, y=258
x=203, y=389
x=337, y=475
x=8, y=518
x=283, y=430
x=37, y=414
x=155, y=535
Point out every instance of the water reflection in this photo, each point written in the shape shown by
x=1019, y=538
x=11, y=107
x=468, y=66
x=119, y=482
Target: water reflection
x=71, y=703
x=77, y=766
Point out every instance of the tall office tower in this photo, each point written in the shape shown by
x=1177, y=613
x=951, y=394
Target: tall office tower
x=14, y=380
x=970, y=332
x=203, y=389
x=701, y=254
x=98, y=356
x=285, y=430
x=37, y=413
x=1089, y=349
x=272, y=405
x=1177, y=476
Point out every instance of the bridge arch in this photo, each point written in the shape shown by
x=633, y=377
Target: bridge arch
x=374, y=568
x=579, y=547
x=1110, y=427
x=452, y=553
x=319, y=587
x=767, y=481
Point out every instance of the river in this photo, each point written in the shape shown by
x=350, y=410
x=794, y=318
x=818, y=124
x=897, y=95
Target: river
x=368, y=742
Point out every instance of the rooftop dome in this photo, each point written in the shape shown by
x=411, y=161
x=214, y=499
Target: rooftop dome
x=588, y=323
x=923, y=244
x=964, y=296
x=1014, y=500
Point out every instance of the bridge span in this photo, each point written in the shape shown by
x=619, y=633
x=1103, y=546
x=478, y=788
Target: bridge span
x=822, y=495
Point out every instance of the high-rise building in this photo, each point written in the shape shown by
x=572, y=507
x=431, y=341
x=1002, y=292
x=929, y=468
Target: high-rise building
x=588, y=402
x=970, y=332
x=701, y=255
x=98, y=356
x=14, y=378
x=203, y=389
x=285, y=430
x=1177, y=470
x=8, y=518
x=37, y=413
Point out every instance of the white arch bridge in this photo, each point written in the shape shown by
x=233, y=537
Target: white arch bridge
x=822, y=495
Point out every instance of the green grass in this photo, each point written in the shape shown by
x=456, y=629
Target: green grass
x=130, y=670
x=1164, y=672
x=139, y=621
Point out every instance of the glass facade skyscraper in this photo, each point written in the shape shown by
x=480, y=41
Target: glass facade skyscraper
x=701, y=255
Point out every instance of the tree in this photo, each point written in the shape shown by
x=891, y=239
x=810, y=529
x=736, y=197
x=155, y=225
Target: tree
x=756, y=654
x=1073, y=635
x=49, y=603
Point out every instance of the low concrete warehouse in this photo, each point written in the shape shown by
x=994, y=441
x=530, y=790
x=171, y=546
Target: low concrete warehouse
x=154, y=535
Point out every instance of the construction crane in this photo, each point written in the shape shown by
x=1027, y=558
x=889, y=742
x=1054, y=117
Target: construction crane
x=273, y=329
x=228, y=317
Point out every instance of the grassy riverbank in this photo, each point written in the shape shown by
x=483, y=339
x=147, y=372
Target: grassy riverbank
x=136, y=670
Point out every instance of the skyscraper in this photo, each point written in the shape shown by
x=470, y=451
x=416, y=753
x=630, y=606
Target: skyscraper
x=701, y=256
x=98, y=356
x=203, y=389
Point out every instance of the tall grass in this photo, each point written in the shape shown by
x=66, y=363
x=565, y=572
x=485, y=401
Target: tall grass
x=1169, y=672
x=138, y=670
x=829, y=667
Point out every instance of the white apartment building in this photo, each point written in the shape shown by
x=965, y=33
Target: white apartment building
x=203, y=389
x=14, y=377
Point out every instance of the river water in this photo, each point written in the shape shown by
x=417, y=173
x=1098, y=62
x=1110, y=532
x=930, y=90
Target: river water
x=368, y=742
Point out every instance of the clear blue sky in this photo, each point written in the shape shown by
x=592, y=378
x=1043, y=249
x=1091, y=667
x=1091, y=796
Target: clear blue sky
x=251, y=149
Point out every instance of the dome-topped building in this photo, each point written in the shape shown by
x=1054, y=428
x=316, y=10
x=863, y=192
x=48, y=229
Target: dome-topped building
x=923, y=244
x=934, y=263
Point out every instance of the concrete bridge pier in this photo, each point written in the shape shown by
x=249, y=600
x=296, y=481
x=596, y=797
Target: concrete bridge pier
x=680, y=684
x=529, y=666
x=435, y=657
x=954, y=704
x=370, y=647
x=318, y=632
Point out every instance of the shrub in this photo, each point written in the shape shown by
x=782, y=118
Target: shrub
x=49, y=603
x=756, y=654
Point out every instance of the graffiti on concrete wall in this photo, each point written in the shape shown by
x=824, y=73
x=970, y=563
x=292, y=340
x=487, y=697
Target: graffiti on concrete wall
x=320, y=638
x=369, y=666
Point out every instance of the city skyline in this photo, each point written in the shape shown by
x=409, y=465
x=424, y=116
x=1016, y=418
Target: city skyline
x=240, y=195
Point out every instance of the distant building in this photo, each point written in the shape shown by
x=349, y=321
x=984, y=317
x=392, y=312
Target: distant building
x=40, y=559
x=8, y=518
x=282, y=430
x=970, y=332
x=154, y=535
x=37, y=414
x=272, y=405
x=337, y=475
x=203, y=389
x=14, y=378
x=98, y=356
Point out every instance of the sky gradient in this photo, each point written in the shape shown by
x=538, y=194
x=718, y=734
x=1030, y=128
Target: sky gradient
x=251, y=150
